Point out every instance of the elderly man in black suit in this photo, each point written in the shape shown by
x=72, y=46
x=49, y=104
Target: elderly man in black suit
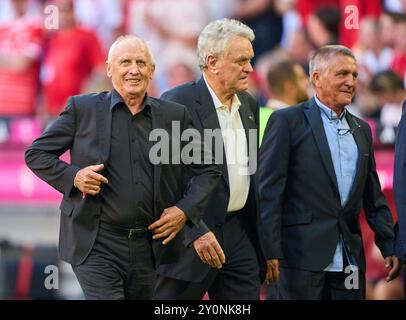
x=317, y=171
x=119, y=203
x=222, y=255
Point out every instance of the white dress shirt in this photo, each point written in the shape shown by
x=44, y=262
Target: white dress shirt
x=235, y=145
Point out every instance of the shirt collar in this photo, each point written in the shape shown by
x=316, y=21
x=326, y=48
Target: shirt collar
x=330, y=114
x=116, y=99
x=217, y=103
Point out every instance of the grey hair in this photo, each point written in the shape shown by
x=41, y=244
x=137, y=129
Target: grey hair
x=216, y=36
x=129, y=38
x=320, y=58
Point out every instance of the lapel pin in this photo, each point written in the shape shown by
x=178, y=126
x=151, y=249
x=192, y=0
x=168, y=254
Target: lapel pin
x=251, y=117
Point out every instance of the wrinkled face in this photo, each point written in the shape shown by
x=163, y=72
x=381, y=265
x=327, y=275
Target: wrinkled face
x=235, y=67
x=130, y=68
x=336, y=82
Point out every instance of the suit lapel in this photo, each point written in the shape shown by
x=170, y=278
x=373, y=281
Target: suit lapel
x=103, y=128
x=157, y=123
x=247, y=118
x=312, y=113
x=207, y=115
x=363, y=150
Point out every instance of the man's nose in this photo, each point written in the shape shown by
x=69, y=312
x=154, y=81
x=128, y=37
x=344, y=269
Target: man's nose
x=134, y=69
x=351, y=81
x=248, y=68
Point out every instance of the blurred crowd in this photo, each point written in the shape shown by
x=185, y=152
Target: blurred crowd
x=46, y=58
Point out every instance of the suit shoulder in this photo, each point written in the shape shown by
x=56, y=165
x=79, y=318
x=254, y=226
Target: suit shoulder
x=89, y=99
x=291, y=111
x=173, y=106
x=180, y=92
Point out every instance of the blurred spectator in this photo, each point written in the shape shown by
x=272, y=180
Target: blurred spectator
x=372, y=56
x=260, y=16
x=73, y=58
x=103, y=16
x=387, y=26
x=288, y=84
x=299, y=48
x=20, y=49
x=349, y=25
x=179, y=71
x=171, y=32
x=323, y=26
x=396, y=6
x=306, y=7
x=389, y=88
x=290, y=18
x=8, y=14
x=399, y=59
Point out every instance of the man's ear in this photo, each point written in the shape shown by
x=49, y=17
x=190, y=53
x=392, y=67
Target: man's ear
x=212, y=64
x=108, y=69
x=316, y=79
x=152, y=72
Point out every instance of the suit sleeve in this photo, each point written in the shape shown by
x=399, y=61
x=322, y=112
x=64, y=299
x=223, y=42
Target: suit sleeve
x=193, y=232
x=399, y=186
x=273, y=171
x=205, y=176
x=376, y=209
x=42, y=157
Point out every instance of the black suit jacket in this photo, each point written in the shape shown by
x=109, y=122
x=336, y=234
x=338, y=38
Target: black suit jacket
x=196, y=97
x=300, y=203
x=399, y=185
x=84, y=128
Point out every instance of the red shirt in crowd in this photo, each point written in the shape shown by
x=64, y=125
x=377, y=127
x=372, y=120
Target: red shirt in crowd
x=21, y=37
x=71, y=56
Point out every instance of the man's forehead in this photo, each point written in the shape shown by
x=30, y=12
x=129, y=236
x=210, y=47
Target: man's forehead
x=130, y=49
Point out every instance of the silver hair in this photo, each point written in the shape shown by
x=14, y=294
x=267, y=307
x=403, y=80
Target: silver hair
x=216, y=36
x=129, y=38
x=320, y=58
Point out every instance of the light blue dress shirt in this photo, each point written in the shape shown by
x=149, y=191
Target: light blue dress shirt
x=344, y=153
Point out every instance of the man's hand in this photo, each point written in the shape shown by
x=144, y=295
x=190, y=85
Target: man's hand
x=209, y=250
x=393, y=265
x=272, y=273
x=172, y=220
x=88, y=180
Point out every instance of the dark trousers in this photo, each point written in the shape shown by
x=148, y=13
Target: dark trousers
x=117, y=268
x=295, y=284
x=238, y=279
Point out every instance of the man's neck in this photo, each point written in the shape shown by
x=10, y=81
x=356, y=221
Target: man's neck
x=226, y=98
x=134, y=102
x=336, y=109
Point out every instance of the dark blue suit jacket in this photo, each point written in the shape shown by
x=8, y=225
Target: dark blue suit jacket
x=197, y=99
x=301, y=212
x=399, y=185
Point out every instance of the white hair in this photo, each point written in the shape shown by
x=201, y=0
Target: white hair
x=129, y=38
x=216, y=36
x=320, y=58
